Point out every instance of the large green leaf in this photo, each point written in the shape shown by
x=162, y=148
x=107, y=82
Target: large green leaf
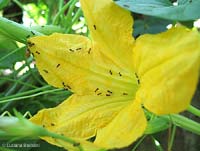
x=150, y=25
x=184, y=11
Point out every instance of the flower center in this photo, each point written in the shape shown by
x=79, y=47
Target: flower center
x=118, y=83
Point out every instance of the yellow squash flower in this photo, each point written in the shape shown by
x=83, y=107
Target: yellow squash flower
x=112, y=76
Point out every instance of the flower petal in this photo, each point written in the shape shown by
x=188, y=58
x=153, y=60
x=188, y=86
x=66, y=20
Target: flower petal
x=80, y=116
x=75, y=63
x=125, y=128
x=168, y=66
x=111, y=27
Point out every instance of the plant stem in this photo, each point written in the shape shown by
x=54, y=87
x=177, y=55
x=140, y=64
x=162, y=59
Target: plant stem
x=194, y=110
x=18, y=82
x=185, y=123
x=16, y=31
x=29, y=96
x=172, y=136
x=138, y=143
x=60, y=4
x=68, y=17
x=27, y=92
x=55, y=21
x=74, y=19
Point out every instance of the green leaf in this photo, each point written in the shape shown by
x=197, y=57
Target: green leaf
x=150, y=25
x=9, y=52
x=184, y=11
x=4, y=3
x=156, y=125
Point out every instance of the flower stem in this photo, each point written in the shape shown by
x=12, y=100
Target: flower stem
x=16, y=31
x=172, y=136
x=185, y=123
x=138, y=143
x=194, y=110
x=26, y=93
x=29, y=96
